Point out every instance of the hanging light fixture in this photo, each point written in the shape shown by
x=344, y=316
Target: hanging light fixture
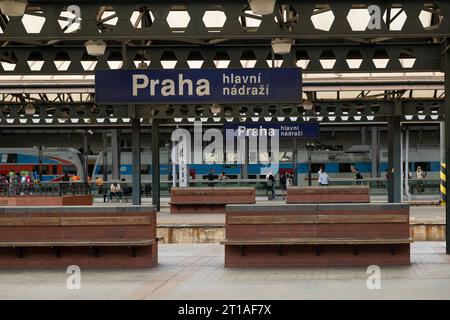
x=96, y=48
x=307, y=105
x=143, y=65
x=262, y=7
x=30, y=109
x=215, y=108
x=13, y=8
x=281, y=46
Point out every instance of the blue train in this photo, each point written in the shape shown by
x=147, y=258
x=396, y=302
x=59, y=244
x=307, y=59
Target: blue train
x=338, y=164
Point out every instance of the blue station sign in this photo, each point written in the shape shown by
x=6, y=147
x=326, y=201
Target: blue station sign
x=283, y=130
x=278, y=85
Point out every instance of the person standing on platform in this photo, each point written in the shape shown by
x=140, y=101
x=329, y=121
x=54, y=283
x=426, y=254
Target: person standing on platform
x=210, y=178
x=420, y=175
x=271, y=185
x=324, y=179
x=358, y=178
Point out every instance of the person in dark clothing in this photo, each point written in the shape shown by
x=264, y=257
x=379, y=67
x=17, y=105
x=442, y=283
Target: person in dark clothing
x=358, y=177
x=65, y=183
x=271, y=185
x=210, y=178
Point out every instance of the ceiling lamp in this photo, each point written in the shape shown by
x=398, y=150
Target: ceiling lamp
x=307, y=105
x=13, y=8
x=143, y=65
x=96, y=48
x=215, y=108
x=281, y=46
x=262, y=7
x=30, y=109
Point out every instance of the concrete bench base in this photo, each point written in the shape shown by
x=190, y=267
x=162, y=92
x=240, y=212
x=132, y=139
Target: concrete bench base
x=197, y=208
x=307, y=256
x=84, y=257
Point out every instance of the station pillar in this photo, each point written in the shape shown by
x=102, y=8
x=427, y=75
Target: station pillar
x=375, y=152
x=105, y=157
x=86, y=148
x=155, y=165
x=394, y=158
x=136, y=159
x=115, y=154
x=447, y=140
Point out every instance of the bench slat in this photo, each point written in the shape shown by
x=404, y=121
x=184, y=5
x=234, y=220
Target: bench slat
x=276, y=219
x=369, y=218
x=29, y=222
x=312, y=241
x=106, y=221
x=137, y=243
x=316, y=219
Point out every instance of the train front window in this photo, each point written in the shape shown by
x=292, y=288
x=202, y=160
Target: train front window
x=70, y=170
x=45, y=170
x=346, y=167
x=12, y=158
x=315, y=167
x=101, y=169
x=145, y=169
x=425, y=166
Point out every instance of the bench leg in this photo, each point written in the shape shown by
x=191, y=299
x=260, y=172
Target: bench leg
x=280, y=250
x=317, y=251
x=242, y=251
x=19, y=252
x=393, y=249
x=355, y=250
x=133, y=252
x=57, y=252
x=95, y=252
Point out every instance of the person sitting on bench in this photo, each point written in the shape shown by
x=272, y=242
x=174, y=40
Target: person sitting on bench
x=115, y=191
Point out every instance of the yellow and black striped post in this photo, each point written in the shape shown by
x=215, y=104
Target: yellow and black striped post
x=443, y=181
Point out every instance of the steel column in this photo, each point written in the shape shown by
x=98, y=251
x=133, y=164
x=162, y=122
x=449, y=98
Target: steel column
x=115, y=157
x=86, y=148
x=375, y=148
x=105, y=157
x=155, y=165
x=407, y=166
x=447, y=139
x=245, y=165
x=394, y=159
x=136, y=159
x=295, y=163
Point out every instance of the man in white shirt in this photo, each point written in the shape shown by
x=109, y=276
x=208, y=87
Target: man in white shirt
x=323, y=178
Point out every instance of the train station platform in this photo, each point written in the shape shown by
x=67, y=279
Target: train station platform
x=195, y=271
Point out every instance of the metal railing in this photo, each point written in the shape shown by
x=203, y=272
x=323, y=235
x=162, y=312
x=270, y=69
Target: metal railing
x=378, y=186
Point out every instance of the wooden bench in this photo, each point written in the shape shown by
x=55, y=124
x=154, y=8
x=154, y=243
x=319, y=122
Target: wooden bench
x=317, y=235
x=337, y=194
x=61, y=236
x=37, y=200
x=208, y=200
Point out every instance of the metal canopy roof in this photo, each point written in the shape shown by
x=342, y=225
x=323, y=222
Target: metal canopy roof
x=330, y=39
